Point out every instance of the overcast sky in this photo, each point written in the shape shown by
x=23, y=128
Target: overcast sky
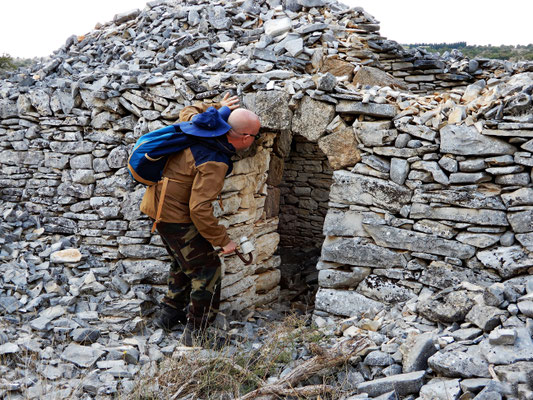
x=30, y=28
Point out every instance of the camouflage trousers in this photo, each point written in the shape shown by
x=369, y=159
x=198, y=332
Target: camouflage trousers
x=195, y=273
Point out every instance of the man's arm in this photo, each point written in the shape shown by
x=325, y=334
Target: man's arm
x=206, y=187
x=190, y=111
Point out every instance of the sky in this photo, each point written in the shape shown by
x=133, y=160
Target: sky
x=35, y=28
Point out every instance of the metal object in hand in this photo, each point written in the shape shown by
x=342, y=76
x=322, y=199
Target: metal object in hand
x=247, y=247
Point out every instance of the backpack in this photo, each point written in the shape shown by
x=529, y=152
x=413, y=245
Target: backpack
x=151, y=151
x=150, y=155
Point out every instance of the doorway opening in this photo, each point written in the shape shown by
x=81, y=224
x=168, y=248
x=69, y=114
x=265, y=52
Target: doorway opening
x=303, y=205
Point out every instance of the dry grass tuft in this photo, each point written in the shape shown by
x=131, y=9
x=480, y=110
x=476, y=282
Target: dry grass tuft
x=230, y=373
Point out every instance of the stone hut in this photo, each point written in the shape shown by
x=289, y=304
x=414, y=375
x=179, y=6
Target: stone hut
x=316, y=74
x=408, y=172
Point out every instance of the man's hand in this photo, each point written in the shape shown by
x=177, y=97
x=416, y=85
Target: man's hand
x=231, y=102
x=229, y=248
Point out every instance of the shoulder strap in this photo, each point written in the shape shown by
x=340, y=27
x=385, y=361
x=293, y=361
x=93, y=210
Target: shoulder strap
x=160, y=203
x=164, y=182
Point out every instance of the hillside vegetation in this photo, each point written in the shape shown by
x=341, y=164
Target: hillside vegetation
x=8, y=63
x=511, y=53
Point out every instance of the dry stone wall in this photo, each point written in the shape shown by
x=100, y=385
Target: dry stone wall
x=429, y=209
x=67, y=126
x=428, y=240
x=423, y=72
x=441, y=196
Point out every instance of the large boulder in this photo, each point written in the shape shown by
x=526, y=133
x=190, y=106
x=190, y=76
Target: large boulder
x=312, y=118
x=370, y=76
x=272, y=107
x=340, y=148
x=466, y=140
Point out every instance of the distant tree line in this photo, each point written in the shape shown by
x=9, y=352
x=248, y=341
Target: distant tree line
x=439, y=46
x=509, y=52
x=8, y=63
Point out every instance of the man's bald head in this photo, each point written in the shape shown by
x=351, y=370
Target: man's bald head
x=244, y=121
x=244, y=127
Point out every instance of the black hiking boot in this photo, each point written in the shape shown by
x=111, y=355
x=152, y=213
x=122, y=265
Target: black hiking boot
x=168, y=317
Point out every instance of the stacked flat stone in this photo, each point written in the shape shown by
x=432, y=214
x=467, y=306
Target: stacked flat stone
x=437, y=216
x=428, y=191
x=421, y=71
x=440, y=182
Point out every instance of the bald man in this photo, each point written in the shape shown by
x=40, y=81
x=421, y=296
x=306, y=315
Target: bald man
x=186, y=222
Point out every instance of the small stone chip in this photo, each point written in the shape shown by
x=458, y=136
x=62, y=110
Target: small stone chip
x=66, y=256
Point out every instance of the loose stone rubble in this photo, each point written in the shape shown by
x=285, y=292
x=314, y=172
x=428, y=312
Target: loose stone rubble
x=417, y=168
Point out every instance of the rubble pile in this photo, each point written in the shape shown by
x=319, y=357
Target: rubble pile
x=464, y=340
x=428, y=215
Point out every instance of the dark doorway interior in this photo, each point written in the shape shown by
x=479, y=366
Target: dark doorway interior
x=304, y=195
